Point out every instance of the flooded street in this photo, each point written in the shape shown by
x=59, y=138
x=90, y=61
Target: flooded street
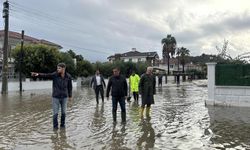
x=179, y=120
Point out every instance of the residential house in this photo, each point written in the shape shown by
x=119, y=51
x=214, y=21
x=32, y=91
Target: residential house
x=14, y=40
x=135, y=56
x=173, y=66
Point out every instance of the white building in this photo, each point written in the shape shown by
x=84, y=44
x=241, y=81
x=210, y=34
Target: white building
x=14, y=40
x=135, y=56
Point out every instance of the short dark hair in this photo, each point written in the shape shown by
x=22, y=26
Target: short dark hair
x=117, y=68
x=61, y=65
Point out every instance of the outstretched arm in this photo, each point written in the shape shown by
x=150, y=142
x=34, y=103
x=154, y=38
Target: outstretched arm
x=43, y=75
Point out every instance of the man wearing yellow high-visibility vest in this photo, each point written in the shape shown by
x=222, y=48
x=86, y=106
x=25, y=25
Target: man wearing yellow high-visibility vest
x=134, y=80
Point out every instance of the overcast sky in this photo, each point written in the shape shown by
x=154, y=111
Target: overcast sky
x=99, y=28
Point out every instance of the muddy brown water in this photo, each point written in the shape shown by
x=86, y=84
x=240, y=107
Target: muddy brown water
x=179, y=121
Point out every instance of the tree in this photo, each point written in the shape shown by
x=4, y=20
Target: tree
x=38, y=58
x=84, y=68
x=223, y=53
x=183, y=54
x=68, y=60
x=169, y=45
x=74, y=55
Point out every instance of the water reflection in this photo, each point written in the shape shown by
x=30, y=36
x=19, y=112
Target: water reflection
x=99, y=119
x=179, y=120
x=118, y=136
x=147, y=139
x=230, y=127
x=59, y=140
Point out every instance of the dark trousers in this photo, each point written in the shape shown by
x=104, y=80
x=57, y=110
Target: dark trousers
x=136, y=96
x=160, y=82
x=99, y=89
x=121, y=101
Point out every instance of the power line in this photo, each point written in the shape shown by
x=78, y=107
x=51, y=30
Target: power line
x=38, y=17
x=44, y=20
x=40, y=14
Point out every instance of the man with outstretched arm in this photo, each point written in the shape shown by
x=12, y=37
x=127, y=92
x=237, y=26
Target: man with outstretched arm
x=62, y=90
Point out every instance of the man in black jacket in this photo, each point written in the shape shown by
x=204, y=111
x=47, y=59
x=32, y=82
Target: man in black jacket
x=118, y=93
x=62, y=89
x=97, y=82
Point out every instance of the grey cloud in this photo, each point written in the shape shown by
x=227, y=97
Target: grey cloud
x=239, y=22
x=234, y=23
x=111, y=26
x=205, y=31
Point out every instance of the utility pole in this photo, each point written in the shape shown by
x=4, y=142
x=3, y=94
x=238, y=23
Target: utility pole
x=178, y=73
x=21, y=63
x=5, y=48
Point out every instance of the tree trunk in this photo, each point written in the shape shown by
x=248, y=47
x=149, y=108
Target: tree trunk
x=183, y=70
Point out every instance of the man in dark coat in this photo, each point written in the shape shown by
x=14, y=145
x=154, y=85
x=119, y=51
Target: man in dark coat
x=147, y=90
x=62, y=90
x=98, y=83
x=119, y=93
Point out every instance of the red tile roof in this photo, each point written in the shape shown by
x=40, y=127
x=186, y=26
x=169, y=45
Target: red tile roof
x=17, y=35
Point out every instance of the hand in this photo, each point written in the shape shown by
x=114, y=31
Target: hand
x=34, y=74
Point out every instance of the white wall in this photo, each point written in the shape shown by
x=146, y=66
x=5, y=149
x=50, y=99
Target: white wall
x=232, y=96
x=226, y=95
x=31, y=85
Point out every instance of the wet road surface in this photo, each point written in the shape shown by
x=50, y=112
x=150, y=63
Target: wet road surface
x=179, y=120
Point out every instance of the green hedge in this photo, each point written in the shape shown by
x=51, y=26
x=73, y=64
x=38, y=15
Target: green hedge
x=232, y=75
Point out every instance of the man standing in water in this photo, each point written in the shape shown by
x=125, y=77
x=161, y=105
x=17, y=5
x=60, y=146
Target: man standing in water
x=98, y=82
x=119, y=92
x=147, y=90
x=134, y=80
x=62, y=90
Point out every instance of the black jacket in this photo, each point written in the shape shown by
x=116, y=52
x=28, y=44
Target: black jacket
x=119, y=86
x=62, y=87
x=94, y=82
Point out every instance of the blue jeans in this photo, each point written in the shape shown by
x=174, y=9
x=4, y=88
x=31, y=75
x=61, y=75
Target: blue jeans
x=56, y=104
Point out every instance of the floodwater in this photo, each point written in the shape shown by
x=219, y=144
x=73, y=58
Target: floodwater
x=179, y=120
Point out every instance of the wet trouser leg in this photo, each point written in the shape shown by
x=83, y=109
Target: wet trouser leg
x=123, y=108
x=97, y=90
x=134, y=94
x=102, y=93
x=114, y=107
x=63, y=103
x=55, y=107
x=137, y=96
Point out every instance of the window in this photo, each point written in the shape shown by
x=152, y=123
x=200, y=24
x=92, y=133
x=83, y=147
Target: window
x=139, y=59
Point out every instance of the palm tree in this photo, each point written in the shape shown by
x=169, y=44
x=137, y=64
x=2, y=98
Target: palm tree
x=183, y=53
x=169, y=45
